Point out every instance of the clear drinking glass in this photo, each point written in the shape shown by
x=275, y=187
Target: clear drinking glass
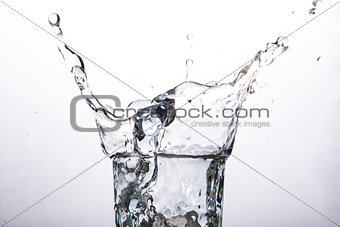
x=168, y=190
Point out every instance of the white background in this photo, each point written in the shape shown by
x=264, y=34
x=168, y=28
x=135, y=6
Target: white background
x=144, y=43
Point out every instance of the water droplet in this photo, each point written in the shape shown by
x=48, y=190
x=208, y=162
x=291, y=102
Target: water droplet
x=312, y=11
x=190, y=36
x=188, y=63
x=54, y=19
x=315, y=2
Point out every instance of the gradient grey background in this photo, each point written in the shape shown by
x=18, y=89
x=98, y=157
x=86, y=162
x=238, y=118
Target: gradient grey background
x=144, y=43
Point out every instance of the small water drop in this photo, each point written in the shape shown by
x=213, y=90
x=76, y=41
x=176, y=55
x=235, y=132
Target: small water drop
x=312, y=11
x=54, y=19
x=190, y=36
x=315, y=2
x=188, y=63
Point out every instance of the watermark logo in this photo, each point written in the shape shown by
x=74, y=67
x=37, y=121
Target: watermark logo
x=201, y=116
x=73, y=112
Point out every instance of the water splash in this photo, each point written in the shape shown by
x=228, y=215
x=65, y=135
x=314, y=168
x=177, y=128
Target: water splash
x=155, y=147
x=104, y=115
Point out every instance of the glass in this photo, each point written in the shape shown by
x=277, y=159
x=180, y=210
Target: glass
x=168, y=190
